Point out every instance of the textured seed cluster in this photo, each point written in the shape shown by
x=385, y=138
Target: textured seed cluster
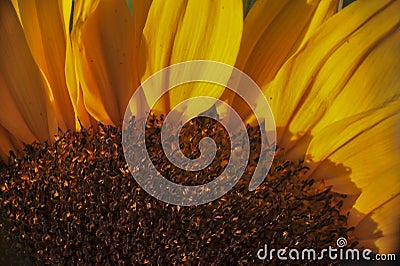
x=75, y=202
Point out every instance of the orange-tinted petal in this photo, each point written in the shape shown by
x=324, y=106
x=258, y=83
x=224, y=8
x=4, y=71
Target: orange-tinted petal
x=140, y=13
x=72, y=81
x=140, y=10
x=7, y=142
x=103, y=45
x=44, y=31
x=22, y=88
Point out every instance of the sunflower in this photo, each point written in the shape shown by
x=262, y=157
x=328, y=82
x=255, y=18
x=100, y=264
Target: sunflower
x=331, y=79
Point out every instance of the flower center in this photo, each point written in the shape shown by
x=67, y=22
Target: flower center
x=74, y=201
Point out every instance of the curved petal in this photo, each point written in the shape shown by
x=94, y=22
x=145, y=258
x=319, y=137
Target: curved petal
x=272, y=32
x=103, y=45
x=368, y=146
x=340, y=71
x=75, y=90
x=190, y=30
x=140, y=10
x=72, y=81
x=380, y=228
x=45, y=34
x=21, y=84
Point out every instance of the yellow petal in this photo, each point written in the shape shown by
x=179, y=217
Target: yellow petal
x=160, y=29
x=45, y=33
x=361, y=155
x=358, y=143
x=21, y=84
x=379, y=230
x=272, y=32
x=103, y=45
x=75, y=91
x=15, y=4
x=65, y=9
x=72, y=81
x=178, y=31
x=340, y=71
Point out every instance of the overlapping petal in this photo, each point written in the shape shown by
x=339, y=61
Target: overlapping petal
x=367, y=146
x=272, y=32
x=26, y=110
x=380, y=228
x=103, y=44
x=43, y=24
x=358, y=62
x=49, y=77
x=72, y=79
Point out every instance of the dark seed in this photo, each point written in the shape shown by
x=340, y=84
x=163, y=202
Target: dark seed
x=74, y=202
